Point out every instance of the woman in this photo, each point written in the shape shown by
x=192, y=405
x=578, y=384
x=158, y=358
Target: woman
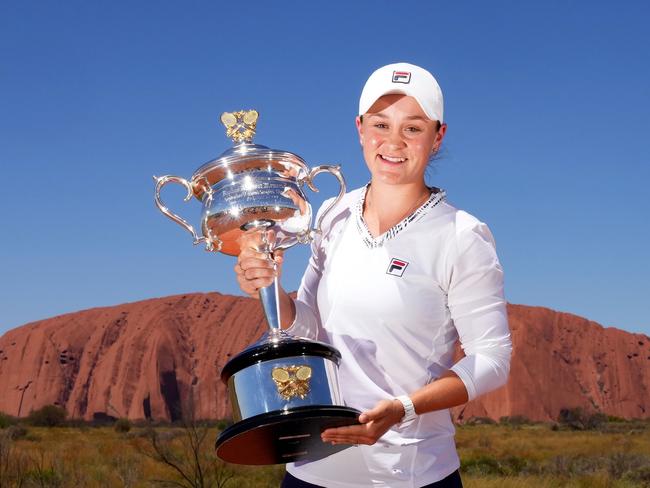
x=397, y=276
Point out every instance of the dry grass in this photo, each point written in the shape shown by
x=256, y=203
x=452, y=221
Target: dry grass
x=539, y=442
x=535, y=455
x=492, y=455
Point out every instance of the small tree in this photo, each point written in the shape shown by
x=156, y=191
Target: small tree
x=47, y=416
x=122, y=425
x=190, y=456
x=6, y=420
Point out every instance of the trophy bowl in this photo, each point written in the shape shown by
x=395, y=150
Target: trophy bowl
x=283, y=390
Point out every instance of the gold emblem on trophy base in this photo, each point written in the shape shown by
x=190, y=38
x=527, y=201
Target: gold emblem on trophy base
x=240, y=126
x=292, y=381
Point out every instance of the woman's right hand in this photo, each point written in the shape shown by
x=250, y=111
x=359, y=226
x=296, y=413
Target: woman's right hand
x=256, y=269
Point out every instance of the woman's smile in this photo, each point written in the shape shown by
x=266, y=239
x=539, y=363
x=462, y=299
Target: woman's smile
x=392, y=159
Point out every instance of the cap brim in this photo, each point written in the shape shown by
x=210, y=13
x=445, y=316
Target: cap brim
x=395, y=91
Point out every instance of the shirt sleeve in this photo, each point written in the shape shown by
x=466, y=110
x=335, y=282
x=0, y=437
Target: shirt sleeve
x=478, y=308
x=307, y=321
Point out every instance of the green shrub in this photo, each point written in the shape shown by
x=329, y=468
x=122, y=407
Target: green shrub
x=514, y=465
x=6, y=420
x=489, y=466
x=47, y=416
x=481, y=466
x=122, y=425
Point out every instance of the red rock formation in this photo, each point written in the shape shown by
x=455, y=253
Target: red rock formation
x=135, y=360
x=560, y=361
x=146, y=359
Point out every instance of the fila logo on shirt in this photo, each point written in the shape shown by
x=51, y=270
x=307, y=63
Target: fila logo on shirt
x=396, y=267
x=401, y=77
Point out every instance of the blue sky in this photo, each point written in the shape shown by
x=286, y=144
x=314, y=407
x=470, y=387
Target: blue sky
x=547, y=105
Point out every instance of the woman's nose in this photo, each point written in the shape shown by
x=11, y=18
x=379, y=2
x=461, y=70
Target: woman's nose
x=395, y=138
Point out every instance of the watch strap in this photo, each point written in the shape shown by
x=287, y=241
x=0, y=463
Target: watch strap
x=409, y=409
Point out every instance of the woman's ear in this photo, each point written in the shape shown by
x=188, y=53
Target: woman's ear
x=440, y=135
x=359, y=123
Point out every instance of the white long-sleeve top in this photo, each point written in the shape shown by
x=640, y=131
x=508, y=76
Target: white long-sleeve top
x=394, y=307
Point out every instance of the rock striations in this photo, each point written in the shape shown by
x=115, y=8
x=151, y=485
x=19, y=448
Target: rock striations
x=147, y=359
x=560, y=361
x=137, y=360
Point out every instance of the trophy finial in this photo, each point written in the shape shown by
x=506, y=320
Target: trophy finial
x=240, y=126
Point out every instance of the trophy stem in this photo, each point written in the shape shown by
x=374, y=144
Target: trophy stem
x=269, y=297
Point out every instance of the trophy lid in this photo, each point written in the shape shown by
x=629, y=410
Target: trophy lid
x=244, y=155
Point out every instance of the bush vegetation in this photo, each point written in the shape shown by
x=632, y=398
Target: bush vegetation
x=579, y=419
x=122, y=425
x=6, y=420
x=508, y=454
x=47, y=416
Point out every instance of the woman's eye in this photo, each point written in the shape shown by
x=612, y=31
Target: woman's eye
x=380, y=125
x=413, y=129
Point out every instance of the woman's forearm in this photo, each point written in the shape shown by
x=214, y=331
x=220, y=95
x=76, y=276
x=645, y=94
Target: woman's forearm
x=445, y=392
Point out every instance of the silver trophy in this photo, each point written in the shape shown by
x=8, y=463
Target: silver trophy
x=283, y=389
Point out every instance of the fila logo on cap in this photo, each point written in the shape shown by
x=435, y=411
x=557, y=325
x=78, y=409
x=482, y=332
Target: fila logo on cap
x=401, y=77
x=397, y=267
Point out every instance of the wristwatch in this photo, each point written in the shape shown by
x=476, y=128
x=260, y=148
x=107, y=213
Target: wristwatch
x=409, y=410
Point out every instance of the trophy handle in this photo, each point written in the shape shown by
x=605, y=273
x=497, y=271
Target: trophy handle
x=162, y=181
x=336, y=171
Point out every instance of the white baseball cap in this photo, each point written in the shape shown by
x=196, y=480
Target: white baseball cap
x=406, y=79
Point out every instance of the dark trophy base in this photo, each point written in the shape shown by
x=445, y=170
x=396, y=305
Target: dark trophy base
x=284, y=436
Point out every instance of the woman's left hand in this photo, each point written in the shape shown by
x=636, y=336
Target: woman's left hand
x=374, y=424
